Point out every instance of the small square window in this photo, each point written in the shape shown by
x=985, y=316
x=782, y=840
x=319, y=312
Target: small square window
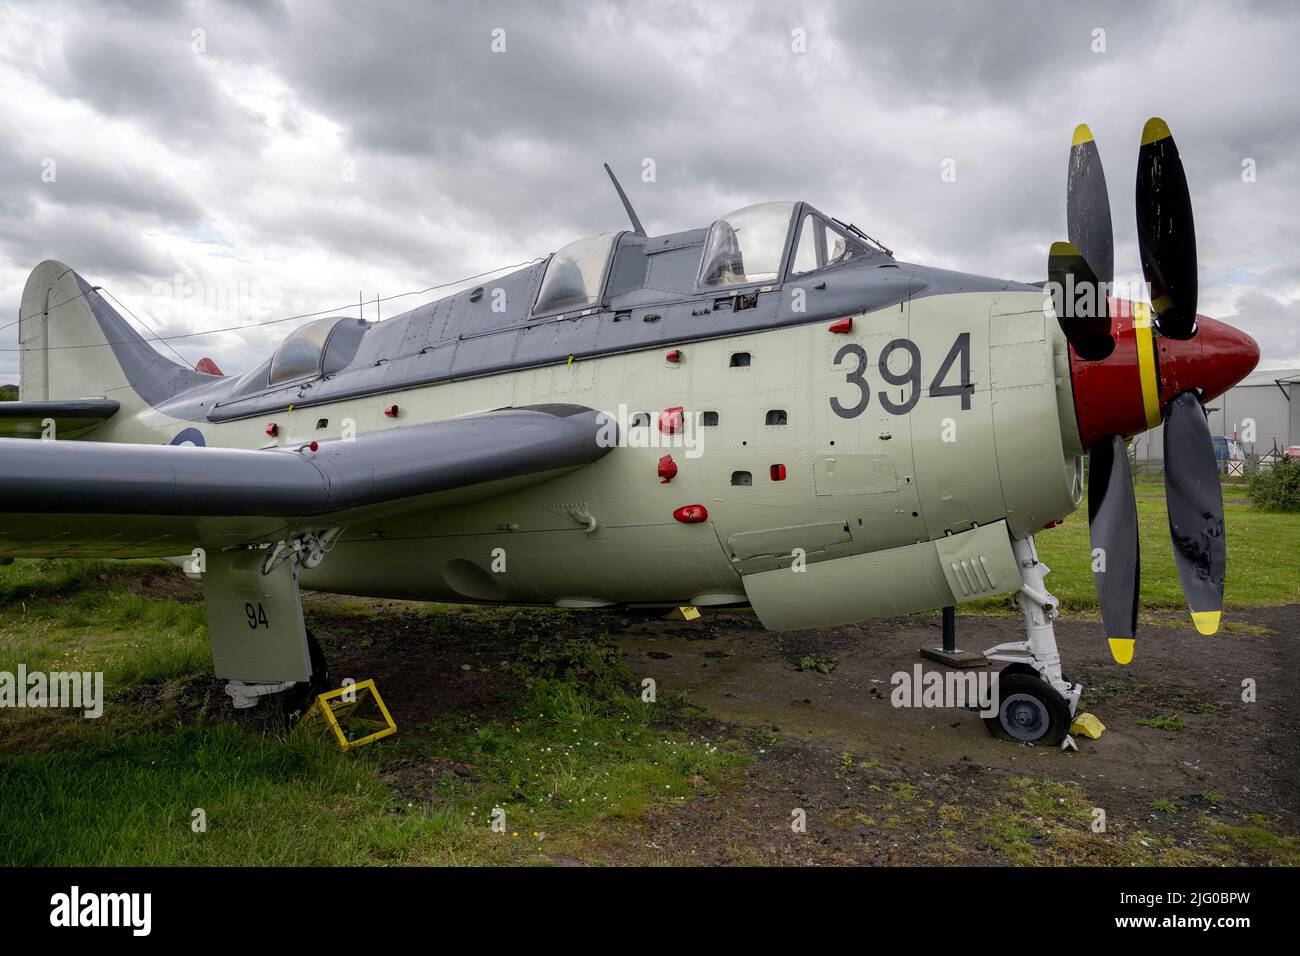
x=740, y=360
x=640, y=420
x=709, y=419
x=776, y=416
x=742, y=479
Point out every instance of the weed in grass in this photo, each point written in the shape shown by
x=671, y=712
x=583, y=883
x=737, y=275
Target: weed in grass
x=819, y=663
x=951, y=814
x=1163, y=723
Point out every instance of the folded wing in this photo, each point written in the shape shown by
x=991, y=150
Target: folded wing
x=101, y=499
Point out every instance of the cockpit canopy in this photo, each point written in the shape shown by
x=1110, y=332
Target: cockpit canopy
x=748, y=245
x=822, y=243
x=320, y=347
x=575, y=274
x=757, y=245
x=300, y=353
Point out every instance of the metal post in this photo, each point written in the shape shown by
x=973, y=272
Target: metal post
x=949, y=629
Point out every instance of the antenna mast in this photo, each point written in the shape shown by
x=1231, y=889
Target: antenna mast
x=631, y=213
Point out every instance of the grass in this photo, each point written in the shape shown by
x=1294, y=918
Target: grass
x=1037, y=822
x=91, y=616
x=1263, y=555
x=129, y=800
x=573, y=752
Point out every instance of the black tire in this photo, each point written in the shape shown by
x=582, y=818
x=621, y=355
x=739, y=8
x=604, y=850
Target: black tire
x=1030, y=710
x=1017, y=668
x=297, y=700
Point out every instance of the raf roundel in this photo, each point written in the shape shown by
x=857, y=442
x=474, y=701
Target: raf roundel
x=189, y=436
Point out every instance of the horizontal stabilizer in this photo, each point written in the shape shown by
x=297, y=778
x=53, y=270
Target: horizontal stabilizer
x=57, y=419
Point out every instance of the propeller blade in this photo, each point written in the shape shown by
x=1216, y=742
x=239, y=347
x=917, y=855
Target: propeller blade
x=1113, y=530
x=1166, y=234
x=1195, y=503
x=1087, y=207
x=1079, y=301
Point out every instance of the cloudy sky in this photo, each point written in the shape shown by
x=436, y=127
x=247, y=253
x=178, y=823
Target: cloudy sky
x=220, y=164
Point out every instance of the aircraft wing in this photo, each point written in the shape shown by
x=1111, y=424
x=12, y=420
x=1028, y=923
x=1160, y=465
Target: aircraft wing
x=105, y=499
x=62, y=419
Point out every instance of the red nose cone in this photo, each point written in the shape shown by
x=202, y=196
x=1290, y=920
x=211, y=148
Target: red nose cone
x=1126, y=392
x=1216, y=359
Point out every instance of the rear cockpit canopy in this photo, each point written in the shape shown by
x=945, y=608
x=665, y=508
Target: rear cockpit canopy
x=321, y=347
x=575, y=274
x=299, y=355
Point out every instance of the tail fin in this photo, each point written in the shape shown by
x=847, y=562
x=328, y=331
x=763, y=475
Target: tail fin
x=75, y=345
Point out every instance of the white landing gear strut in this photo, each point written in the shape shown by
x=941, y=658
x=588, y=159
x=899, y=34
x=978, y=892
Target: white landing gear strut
x=1032, y=689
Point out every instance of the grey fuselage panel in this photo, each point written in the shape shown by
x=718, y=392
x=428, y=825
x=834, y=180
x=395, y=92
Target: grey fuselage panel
x=650, y=301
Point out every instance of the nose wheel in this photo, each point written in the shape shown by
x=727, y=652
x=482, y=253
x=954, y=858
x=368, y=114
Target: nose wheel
x=1030, y=710
x=1036, y=702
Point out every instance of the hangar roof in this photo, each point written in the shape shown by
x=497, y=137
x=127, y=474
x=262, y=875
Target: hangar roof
x=1269, y=376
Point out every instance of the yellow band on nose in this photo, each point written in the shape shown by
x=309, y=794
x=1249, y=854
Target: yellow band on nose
x=1146, y=349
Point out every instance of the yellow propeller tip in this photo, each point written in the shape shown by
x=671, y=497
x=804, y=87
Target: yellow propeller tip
x=1082, y=135
x=1155, y=130
x=1062, y=249
x=1207, y=622
x=1121, y=648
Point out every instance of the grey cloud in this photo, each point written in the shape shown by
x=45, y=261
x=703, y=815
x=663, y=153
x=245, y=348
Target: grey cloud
x=468, y=159
x=1274, y=324
x=126, y=65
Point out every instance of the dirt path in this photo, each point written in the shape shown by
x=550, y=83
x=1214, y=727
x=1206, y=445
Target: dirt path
x=1243, y=755
x=880, y=784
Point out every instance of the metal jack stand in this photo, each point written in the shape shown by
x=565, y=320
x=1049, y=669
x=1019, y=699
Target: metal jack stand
x=949, y=655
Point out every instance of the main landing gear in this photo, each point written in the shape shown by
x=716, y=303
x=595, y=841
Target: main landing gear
x=260, y=643
x=1036, y=702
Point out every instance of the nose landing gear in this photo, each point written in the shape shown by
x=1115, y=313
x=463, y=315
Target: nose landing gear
x=1029, y=710
x=1035, y=701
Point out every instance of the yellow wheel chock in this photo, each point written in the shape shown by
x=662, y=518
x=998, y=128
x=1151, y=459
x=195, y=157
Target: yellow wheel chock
x=1087, y=725
x=338, y=710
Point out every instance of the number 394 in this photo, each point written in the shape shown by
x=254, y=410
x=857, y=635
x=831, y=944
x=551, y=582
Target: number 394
x=907, y=381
